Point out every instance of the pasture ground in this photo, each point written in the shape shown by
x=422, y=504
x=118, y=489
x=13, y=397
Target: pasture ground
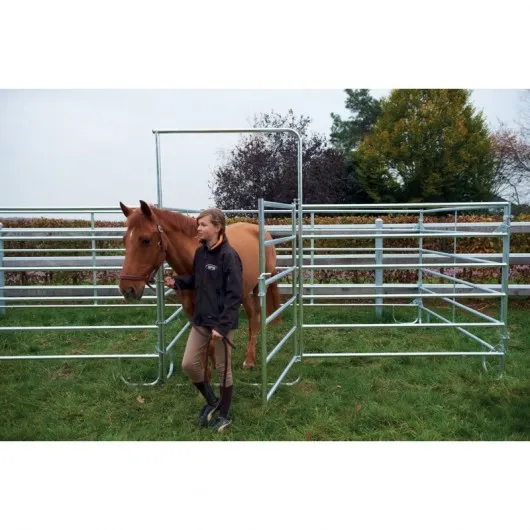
x=403, y=398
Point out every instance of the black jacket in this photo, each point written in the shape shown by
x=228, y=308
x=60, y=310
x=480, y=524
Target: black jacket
x=218, y=283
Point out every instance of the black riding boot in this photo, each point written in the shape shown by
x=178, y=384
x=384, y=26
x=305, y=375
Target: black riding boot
x=226, y=400
x=207, y=391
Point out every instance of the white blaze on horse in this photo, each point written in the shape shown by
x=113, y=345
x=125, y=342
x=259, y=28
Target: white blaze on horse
x=155, y=235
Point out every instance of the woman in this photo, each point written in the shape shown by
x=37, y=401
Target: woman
x=217, y=283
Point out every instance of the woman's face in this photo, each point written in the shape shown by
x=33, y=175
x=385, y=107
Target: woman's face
x=207, y=231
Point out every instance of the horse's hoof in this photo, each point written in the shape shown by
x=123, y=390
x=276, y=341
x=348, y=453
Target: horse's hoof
x=248, y=366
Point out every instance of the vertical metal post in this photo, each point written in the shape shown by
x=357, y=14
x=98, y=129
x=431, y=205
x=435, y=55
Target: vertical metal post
x=160, y=301
x=2, y=276
x=312, y=273
x=261, y=233
x=158, y=170
x=379, y=272
x=300, y=253
x=454, y=266
x=262, y=301
x=94, y=273
x=420, y=264
x=504, y=283
x=263, y=337
x=294, y=291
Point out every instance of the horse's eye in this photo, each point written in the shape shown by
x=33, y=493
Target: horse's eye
x=145, y=242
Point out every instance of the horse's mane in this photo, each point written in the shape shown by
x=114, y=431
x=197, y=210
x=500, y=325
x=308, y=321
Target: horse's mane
x=177, y=221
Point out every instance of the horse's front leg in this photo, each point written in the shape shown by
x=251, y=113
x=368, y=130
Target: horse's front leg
x=251, y=305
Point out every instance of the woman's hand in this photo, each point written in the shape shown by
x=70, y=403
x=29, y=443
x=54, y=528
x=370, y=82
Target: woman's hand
x=169, y=282
x=216, y=335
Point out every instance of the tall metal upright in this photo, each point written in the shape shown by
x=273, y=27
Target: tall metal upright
x=262, y=293
x=300, y=301
x=419, y=301
x=295, y=291
x=94, y=273
x=504, y=280
x=379, y=277
x=160, y=297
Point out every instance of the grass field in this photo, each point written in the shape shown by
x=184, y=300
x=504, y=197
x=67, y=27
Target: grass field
x=403, y=398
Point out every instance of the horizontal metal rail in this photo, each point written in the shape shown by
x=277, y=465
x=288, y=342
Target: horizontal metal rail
x=61, y=269
x=279, y=276
x=177, y=337
x=462, y=256
x=174, y=315
x=77, y=306
x=464, y=331
x=375, y=304
x=60, y=250
x=369, y=266
x=280, y=379
x=405, y=295
x=404, y=325
x=282, y=206
x=280, y=310
x=339, y=229
x=278, y=346
x=458, y=280
x=64, y=298
x=419, y=205
x=107, y=230
x=272, y=242
x=484, y=228
x=38, y=287
x=45, y=237
x=403, y=235
x=367, y=259
x=465, y=308
x=356, y=290
x=80, y=356
x=76, y=328
x=404, y=354
x=469, y=207
x=307, y=252
x=61, y=209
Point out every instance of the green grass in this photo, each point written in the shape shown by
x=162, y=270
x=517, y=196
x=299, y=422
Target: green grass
x=372, y=398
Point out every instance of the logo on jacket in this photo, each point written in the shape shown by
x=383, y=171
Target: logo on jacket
x=211, y=267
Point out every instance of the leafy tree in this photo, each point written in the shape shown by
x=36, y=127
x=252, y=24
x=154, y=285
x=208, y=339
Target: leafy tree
x=265, y=166
x=365, y=109
x=427, y=145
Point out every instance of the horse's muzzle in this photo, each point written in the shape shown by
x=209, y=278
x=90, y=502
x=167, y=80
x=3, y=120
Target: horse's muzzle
x=131, y=293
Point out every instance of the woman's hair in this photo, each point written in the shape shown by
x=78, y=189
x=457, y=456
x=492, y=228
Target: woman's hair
x=217, y=217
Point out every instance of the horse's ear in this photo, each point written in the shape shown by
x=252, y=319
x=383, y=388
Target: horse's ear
x=145, y=209
x=126, y=211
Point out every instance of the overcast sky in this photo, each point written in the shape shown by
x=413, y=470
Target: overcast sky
x=96, y=147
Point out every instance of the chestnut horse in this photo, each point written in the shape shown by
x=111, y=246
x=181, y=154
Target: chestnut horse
x=155, y=235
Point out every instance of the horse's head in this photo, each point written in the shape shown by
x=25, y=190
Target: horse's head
x=145, y=250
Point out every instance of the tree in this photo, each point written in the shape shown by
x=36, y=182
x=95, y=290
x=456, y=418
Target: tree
x=427, y=145
x=265, y=166
x=347, y=134
x=524, y=116
x=512, y=165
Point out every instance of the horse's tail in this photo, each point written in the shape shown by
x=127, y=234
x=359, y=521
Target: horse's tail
x=273, y=292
